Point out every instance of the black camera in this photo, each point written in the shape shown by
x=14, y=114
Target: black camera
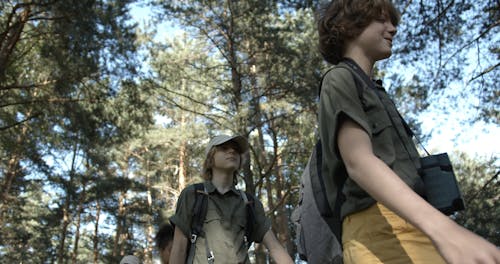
x=441, y=187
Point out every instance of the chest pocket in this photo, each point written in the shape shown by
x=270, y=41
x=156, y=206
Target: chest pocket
x=382, y=133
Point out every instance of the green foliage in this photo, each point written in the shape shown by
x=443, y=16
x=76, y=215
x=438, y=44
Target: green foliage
x=480, y=184
x=445, y=44
x=95, y=151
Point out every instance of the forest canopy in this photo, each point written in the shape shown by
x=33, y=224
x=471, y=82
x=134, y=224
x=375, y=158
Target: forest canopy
x=104, y=114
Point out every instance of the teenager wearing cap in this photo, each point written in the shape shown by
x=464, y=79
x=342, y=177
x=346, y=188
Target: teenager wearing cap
x=226, y=216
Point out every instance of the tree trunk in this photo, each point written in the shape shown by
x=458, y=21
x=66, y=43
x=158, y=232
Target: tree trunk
x=66, y=208
x=119, y=225
x=14, y=168
x=282, y=216
x=79, y=213
x=14, y=28
x=96, y=232
x=148, y=250
x=182, y=166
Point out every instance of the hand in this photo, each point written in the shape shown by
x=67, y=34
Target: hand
x=459, y=245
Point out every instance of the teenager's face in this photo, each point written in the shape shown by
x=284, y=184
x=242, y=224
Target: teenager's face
x=376, y=39
x=227, y=156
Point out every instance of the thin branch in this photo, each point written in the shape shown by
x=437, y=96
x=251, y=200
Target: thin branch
x=406, y=7
x=489, y=69
x=191, y=99
x=18, y=86
x=441, y=14
x=280, y=203
x=19, y=122
x=484, y=186
x=497, y=23
x=50, y=100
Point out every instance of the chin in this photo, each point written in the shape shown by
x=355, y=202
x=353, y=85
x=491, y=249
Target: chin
x=385, y=56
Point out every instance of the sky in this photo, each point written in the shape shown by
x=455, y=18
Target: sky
x=449, y=134
x=450, y=131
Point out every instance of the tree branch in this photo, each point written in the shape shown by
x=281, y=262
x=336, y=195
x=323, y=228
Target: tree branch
x=489, y=69
x=19, y=86
x=484, y=186
x=19, y=122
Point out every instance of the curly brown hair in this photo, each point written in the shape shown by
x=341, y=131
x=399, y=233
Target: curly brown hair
x=342, y=20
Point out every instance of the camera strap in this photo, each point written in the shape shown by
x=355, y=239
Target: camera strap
x=441, y=188
x=376, y=86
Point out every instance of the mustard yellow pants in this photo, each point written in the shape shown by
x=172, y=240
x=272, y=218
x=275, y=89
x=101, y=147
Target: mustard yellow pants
x=377, y=235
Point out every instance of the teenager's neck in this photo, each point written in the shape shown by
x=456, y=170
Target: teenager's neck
x=222, y=180
x=364, y=62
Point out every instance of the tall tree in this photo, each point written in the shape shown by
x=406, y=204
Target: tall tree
x=66, y=74
x=257, y=94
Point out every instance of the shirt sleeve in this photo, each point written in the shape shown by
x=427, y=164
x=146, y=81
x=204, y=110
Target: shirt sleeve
x=183, y=211
x=262, y=222
x=339, y=98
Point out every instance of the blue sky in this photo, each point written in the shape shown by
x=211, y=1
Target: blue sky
x=450, y=132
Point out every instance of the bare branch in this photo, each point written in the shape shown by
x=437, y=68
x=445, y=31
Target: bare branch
x=489, y=69
x=19, y=123
x=24, y=87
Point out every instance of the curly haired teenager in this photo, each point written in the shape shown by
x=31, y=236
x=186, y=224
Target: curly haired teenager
x=385, y=218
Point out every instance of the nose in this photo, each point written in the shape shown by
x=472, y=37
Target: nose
x=391, y=28
x=231, y=150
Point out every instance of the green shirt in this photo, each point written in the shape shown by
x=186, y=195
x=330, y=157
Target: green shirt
x=390, y=142
x=224, y=224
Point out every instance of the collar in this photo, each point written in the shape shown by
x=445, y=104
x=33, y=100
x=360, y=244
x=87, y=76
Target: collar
x=373, y=83
x=210, y=187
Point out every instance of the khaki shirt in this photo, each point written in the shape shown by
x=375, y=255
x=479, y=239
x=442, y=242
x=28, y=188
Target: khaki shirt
x=224, y=224
x=390, y=141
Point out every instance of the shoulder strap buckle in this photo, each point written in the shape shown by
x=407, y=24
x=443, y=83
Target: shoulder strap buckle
x=193, y=238
x=211, y=257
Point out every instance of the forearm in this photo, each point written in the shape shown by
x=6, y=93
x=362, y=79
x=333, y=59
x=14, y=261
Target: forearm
x=455, y=243
x=378, y=180
x=179, y=248
x=382, y=183
x=277, y=252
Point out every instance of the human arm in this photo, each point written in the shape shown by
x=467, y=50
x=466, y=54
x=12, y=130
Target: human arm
x=181, y=221
x=179, y=247
x=455, y=243
x=276, y=250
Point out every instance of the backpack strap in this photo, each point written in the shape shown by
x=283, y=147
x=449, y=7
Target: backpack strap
x=250, y=208
x=199, y=214
x=199, y=211
x=357, y=79
x=362, y=77
x=332, y=214
x=373, y=85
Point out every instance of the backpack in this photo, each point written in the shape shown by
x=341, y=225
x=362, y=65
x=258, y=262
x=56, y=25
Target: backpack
x=199, y=213
x=318, y=226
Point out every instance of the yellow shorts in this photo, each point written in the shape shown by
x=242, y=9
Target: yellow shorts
x=377, y=235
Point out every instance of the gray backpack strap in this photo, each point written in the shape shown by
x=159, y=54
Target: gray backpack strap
x=210, y=253
x=245, y=199
x=199, y=214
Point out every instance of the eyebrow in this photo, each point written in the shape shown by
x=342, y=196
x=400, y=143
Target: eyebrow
x=231, y=144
